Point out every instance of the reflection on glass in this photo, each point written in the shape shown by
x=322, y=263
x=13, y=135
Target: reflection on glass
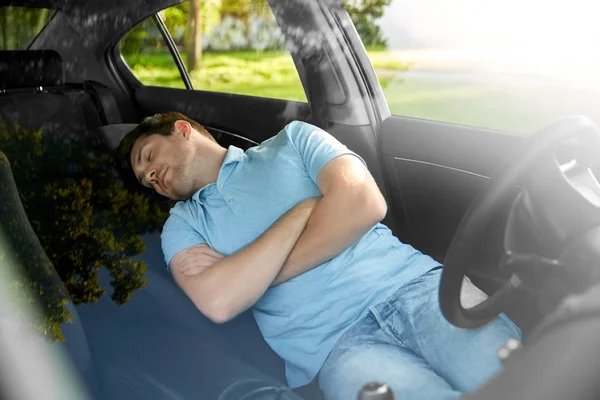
x=82, y=214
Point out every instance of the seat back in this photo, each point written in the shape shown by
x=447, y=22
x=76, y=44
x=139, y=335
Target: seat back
x=35, y=69
x=34, y=95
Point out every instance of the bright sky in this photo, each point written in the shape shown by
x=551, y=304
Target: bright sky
x=522, y=23
x=546, y=36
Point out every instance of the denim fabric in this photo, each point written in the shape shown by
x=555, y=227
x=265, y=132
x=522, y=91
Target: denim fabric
x=406, y=342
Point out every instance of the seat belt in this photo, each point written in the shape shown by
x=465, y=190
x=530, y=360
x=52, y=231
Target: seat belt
x=105, y=102
x=316, y=94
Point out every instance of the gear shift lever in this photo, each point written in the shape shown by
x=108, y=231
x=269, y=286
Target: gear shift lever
x=375, y=391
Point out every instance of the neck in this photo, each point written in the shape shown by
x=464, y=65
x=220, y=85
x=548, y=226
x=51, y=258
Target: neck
x=214, y=164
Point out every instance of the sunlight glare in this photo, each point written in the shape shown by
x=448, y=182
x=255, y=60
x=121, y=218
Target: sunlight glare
x=550, y=39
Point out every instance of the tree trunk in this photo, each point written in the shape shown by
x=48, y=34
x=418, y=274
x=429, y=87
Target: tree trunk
x=194, y=36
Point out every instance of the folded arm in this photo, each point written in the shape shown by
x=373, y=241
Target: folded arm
x=351, y=205
x=230, y=285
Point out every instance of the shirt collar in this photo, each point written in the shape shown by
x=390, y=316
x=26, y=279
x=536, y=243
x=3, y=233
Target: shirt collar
x=233, y=156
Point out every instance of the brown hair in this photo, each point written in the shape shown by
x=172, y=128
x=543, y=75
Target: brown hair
x=159, y=124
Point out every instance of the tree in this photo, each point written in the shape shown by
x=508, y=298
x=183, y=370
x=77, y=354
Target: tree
x=83, y=215
x=188, y=22
x=194, y=35
x=243, y=9
x=364, y=15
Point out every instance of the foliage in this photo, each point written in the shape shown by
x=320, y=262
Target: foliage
x=84, y=217
x=175, y=19
x=364, y=15
x=144, y=36
x=245, y=9
x=265, y=34
x=257, y=33
x=20, y=25
x=226, y=25
x=230, y=34
x=211, y=15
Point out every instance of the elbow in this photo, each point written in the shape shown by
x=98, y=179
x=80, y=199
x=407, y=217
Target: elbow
x=380, y=209
x=376, y=207
x=219, y=318
x=216, y=310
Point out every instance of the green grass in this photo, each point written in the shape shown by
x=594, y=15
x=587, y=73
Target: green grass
x=267, y=74
x=273, y=75
x=462, y=103
x=523, y=109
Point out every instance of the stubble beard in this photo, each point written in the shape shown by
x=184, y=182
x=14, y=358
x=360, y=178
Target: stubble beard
x=182, y=178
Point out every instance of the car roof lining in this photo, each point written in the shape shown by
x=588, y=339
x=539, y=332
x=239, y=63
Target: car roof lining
x=87, y=6
x=90, y=19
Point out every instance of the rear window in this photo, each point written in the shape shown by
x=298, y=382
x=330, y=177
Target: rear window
x=19, y=26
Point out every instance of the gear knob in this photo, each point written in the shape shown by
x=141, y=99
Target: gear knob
x=375, y=391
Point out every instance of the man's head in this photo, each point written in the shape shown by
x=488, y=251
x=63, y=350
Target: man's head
x=171, y=153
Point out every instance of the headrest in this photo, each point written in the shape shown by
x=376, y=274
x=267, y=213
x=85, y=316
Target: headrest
x=30, y=68
x=115, y=133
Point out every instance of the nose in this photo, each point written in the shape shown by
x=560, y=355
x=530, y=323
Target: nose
x=150, y=174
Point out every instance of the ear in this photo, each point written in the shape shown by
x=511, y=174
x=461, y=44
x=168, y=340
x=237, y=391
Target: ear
x=183, y=128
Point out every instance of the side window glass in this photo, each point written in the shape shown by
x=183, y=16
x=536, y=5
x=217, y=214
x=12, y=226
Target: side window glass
x=145, y=52
x=19, y=26
x=502, y=66
x=227, y=46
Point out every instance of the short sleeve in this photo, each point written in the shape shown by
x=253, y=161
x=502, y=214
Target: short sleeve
x=178, y=235
x=315, y=146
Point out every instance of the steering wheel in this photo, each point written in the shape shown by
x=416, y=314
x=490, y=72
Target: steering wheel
x=547, y=197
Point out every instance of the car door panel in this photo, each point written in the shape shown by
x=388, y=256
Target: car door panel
x=254, y=118
x=434, y=198
x=434, y=170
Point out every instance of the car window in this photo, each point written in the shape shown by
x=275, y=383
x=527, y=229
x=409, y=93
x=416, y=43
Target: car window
x=226, y=46
x=20, y=25
x=143, y=49
x=510, y=65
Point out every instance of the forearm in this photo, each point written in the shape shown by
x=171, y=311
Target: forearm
x=236, y=282
x=336, y=223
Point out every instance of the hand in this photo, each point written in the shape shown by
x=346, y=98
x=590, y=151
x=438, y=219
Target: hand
x=199, y=259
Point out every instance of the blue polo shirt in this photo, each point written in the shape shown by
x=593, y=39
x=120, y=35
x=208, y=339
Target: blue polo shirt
x=302, y=318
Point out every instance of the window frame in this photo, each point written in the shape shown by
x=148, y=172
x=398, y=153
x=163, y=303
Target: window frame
x=127, y=80
x=119, y=65
x=358, y=57
x=185, y=76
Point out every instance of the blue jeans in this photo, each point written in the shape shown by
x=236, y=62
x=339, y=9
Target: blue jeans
x=406, y=342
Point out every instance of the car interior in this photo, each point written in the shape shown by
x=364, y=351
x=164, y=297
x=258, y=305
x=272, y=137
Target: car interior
x=73, y=90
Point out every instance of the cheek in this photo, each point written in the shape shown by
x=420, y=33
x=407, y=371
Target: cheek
x=184, y=162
